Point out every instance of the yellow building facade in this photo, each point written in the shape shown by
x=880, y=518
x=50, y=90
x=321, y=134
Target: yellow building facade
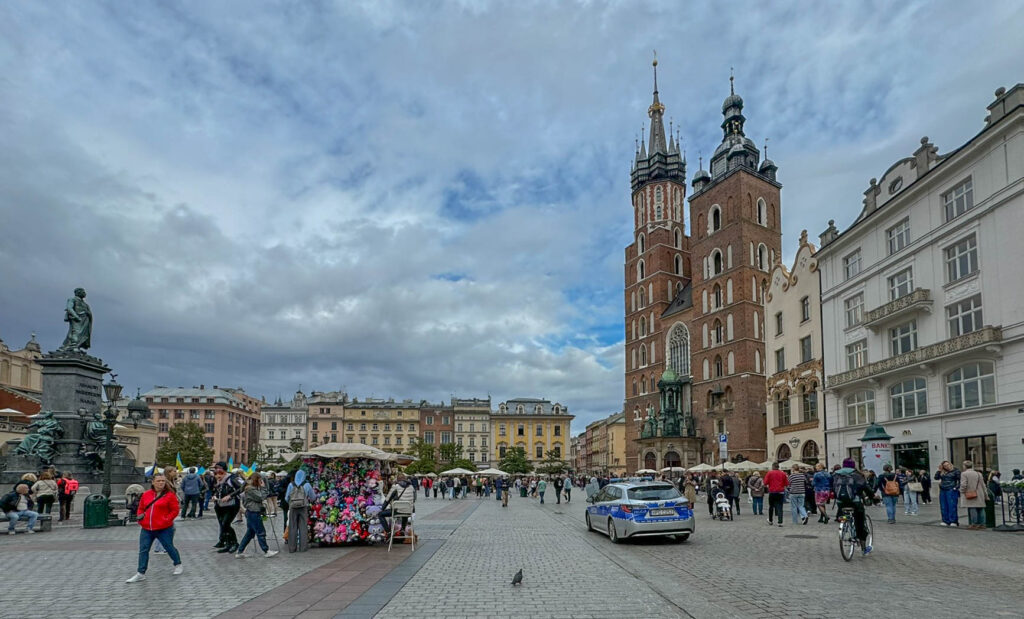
x=538, y=426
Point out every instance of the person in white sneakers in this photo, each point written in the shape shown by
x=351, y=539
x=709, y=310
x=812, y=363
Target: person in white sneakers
x=253, y=501
x=19, y=504
x=157, y=510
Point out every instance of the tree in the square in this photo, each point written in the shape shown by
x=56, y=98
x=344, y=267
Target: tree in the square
x=186, y=439
x=550, y=465
x=450, y=457
x=515, y=461
x=425, y=454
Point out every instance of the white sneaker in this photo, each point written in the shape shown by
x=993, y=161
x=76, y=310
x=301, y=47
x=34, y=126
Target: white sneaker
x=239, y=555
x=136, y=578
x=179, y=569
x=269, y=553
x=30, y=532
x=12, y=533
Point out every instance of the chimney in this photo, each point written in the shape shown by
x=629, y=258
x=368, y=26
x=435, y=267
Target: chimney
x=201, y=386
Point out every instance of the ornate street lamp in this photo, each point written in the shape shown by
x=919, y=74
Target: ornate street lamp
x=137, y=411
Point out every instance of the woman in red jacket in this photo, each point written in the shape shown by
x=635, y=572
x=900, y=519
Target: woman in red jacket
x=157, y=510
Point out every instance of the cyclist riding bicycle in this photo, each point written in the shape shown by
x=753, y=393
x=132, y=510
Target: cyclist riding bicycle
x=850, y=489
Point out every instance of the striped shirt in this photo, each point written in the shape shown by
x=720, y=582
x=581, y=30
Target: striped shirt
x=797, y=483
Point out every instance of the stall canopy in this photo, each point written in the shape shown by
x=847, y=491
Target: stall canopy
x=789, y=464
x=702, y=468
x=491, y=471
x=458, y=472
x=356, y=450
x=647, y=472
x=673, y=469
x=746, y=465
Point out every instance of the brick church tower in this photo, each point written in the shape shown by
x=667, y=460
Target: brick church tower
x=736, y=235
x=657, y=267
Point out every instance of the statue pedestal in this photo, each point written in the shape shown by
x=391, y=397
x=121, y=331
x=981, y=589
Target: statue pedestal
x=73, y=393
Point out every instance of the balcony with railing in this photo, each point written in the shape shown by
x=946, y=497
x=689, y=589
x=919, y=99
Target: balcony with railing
x=981, y=338
x=920, y=299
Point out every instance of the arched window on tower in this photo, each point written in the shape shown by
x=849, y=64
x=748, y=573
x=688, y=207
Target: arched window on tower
x=719, y=370
x=716, y=297
x=678, y=264
x=679, y=349
x=728, y=290
x=643, y=297
x=762, y=257
x=717, y=333
x=657, y=213
x=716, y=262
x=643, y=355
x=762, y=212
x=640, y=272
x=643, y=326
x=635, y=392
x=641, y=243
x=731, y=364
x=643, y=384
x=678, y=238
x=715, y=219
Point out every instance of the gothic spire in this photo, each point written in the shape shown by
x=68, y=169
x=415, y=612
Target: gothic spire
x=643, y=151
x=657, y=112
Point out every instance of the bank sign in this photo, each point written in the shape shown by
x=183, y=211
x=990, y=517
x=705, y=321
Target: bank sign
x=876, y=453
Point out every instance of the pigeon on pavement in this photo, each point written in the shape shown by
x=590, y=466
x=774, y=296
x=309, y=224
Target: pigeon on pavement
x=518, y=578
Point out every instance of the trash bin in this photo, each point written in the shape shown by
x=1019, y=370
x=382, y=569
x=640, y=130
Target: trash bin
x=522, y=492
x=990, y=512
x=94, y=511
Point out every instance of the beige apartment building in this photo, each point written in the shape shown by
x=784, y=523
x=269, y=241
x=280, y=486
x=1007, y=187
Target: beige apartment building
x=472, y=428
x=325, y=414
x=385, y=424
x=230, y=418
x=606, y=446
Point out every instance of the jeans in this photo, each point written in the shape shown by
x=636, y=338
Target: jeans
x=797, y=508
x=890, y=506
x=14, y=517
x=758, y=505
x=976, y=515
x=225, y=514
x=146, y=538
x=947, y=504
x=193, y=501
x=541, y=496
x=253, y=528
x=568, y=493
x=910, y=502
x=775, y=500
x=206, y=501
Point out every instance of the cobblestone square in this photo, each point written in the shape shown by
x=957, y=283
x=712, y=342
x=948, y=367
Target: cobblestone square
x=469, y=549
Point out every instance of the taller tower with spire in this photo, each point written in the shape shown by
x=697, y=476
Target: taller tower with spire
x=736, y=236
x=657, y=265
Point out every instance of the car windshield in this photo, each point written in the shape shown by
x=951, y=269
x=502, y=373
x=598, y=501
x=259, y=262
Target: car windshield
x=653, y=493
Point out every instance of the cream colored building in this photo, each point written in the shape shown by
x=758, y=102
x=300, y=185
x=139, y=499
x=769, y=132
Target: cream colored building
x=229, y=417
x=472, y=429
x=284, y=424
x=536, y=425
x=325, y=417
x=385, y=424
x=793, y=345
x=19, y=370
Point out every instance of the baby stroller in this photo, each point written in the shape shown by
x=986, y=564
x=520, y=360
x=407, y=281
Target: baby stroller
x=133, y=494
x=723, y=509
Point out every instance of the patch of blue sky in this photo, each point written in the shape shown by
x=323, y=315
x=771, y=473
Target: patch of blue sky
x=451, y=277
x=468, y=198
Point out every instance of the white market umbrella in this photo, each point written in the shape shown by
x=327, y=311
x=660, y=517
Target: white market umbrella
x=431, y=475
x=789, y=464
x=702, y=468
x=766, y=465
x=673, y=469
x=647, y=472
x=746, y=465
x=491, y=471
x=11, y=411
x=457, y=471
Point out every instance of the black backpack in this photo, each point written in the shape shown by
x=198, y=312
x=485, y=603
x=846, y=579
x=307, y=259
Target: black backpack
x=844, y=487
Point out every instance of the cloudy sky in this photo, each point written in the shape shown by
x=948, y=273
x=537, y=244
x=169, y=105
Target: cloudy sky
x=421, y=199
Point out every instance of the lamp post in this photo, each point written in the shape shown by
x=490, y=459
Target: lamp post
x=137, y=411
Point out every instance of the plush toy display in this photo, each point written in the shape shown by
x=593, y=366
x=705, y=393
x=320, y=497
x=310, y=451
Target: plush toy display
x=348, y=500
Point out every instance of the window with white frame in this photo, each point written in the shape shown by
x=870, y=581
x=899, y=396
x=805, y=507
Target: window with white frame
x=961, y=259
x=805, y=309
x=778, y=323
x=854, y=309
x=809, y=401
x=964, y=316
x=899, y=236
x=909, y=398
x=860, y=408
x=857, y=355
x=958, y=200
x=903, y=339
x=901, y=284
x=971, y=385
x=782, y=409
x=851, y=264
x=780, y=359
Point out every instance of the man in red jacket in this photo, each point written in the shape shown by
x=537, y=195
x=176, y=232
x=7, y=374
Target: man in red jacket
x=776, y=482
x=158, y=508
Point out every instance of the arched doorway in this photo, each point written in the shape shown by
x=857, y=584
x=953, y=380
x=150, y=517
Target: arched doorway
x=672, y=459
x=809, y=453
x=650, y=461
x=783, y=453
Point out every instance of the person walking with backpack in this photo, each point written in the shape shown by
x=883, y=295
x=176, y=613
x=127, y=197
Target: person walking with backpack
x=253, y=498
x=157, y=510
x=851, y=489
x=67, y=497
x=972, y=486
x=226, y=494
x=300, y=496
x=192, y=487
x=948, y=477
x=889, y=487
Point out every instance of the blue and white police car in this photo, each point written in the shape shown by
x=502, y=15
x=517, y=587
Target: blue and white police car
x=637, y=509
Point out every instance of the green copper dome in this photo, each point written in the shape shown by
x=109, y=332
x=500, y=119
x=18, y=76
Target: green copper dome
x=669, y=376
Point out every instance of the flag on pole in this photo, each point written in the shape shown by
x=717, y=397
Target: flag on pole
x=177, y=462
x=231, y=464
x=202, y=470
x=151, y=470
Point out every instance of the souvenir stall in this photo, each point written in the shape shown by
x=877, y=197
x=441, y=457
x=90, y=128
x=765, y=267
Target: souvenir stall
x=348, y=479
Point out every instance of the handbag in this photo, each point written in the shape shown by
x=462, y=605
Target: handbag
x=970, y=495
x=915, y=486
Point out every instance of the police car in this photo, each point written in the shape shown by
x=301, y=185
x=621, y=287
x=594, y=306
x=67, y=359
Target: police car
x=637, y=509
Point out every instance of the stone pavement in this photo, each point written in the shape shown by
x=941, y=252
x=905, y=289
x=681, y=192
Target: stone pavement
x=470, y=548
